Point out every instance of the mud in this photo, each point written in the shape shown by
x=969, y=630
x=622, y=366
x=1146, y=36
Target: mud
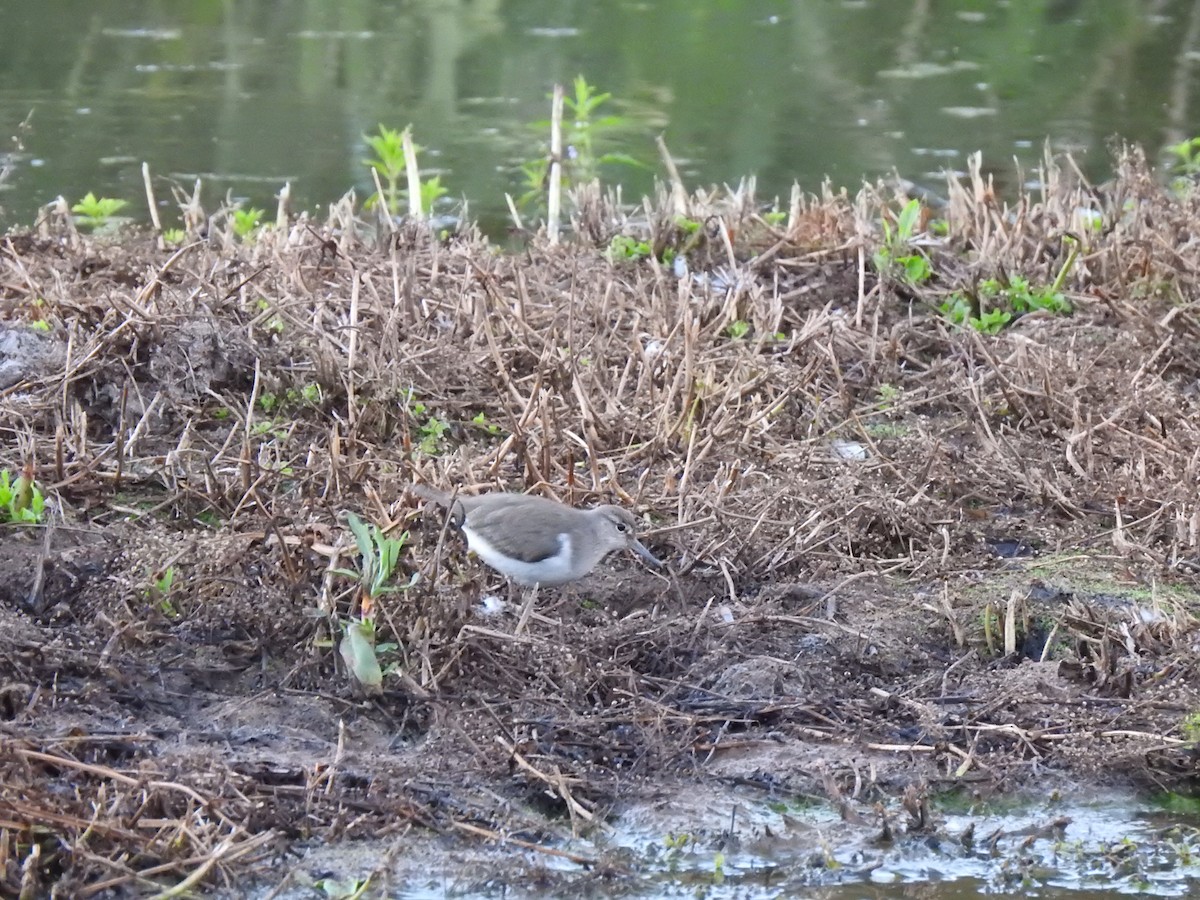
x=908, y=562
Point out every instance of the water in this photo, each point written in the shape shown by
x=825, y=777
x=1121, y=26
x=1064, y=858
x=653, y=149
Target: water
x=254, y=93
x=725, y=843
x=251, y=94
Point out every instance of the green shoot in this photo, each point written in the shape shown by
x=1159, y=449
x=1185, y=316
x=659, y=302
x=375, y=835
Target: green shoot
x=584, y=131
x=897, y=257
x=677, y=842
x=432, y=431
x=22, y=502
x=245, y=221
x=378, y=557
x=95, y=212
x=1190, y=728
x=432, y=190
x=1187, y=156
x=996, y=304
x=718, y=875
x=622, y=246
x=160, y=590
x=358, y=652
x=389, y=163
x=481, y=422
x=163, y=581
x=349, y=888
x=738, y=329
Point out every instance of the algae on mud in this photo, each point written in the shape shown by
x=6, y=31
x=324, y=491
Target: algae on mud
x=836, y=626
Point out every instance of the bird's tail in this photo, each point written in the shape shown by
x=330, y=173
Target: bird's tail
x=443, y=499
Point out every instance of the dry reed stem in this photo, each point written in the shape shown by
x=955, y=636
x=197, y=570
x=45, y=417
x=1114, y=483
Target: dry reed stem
x=849, y=434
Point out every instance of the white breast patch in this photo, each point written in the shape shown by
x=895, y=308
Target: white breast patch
x=553, y=570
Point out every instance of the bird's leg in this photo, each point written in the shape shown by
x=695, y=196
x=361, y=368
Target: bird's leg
x=526, y=610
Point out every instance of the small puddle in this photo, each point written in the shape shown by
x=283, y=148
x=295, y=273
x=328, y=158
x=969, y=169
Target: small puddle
x=1112, y=846
x=726, y=845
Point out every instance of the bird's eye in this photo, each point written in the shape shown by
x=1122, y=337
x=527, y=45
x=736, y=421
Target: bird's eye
x=622, y=527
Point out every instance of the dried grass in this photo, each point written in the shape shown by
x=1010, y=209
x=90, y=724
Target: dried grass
x=848, y=437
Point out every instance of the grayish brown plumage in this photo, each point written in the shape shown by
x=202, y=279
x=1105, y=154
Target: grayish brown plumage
x=536, y=541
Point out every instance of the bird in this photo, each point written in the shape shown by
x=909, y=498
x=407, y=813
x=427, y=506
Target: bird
x=536, y=542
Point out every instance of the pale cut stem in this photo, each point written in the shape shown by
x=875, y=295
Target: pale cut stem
x=414, y=175
x=526, y=611
x=554, y=201
x=152, y=203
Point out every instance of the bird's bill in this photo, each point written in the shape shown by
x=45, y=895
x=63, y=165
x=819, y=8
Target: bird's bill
x=645, y=554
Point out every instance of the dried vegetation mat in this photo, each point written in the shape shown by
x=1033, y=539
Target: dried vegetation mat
x=905, y=554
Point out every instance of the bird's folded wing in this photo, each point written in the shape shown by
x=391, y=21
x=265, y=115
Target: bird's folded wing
x=526, y=537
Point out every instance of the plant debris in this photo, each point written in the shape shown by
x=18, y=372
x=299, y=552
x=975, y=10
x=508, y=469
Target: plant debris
x=827, y=462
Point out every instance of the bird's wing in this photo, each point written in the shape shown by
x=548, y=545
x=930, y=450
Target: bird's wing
x=527, y=538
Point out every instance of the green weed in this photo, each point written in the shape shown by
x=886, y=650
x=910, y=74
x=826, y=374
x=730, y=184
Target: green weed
x=738, y=329
x=96, y=212
x=432, y=190
x=22, y=502
x=159, y=590
x=430, y=428
x=272, y=403
x=1187, y=156
x=584, y=133
x=349, y=888
x=270, y=427
x=208, y=518
x=273, y=323
x=481, y=422
x=886, y=430
x=378, y=559
x=997, y=303
x=624, y=247
x=897, y=257
x=1190, y=727
x=391, y=164
x=675, y=841
x=244, y=222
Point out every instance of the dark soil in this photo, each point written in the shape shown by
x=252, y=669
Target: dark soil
x=904, y=556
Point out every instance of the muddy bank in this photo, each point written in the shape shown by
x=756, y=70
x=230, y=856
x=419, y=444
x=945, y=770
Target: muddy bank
x=907, y=557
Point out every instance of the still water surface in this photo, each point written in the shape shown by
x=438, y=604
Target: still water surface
x=255, y=93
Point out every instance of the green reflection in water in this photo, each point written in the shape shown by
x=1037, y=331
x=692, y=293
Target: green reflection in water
x=251, y=93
